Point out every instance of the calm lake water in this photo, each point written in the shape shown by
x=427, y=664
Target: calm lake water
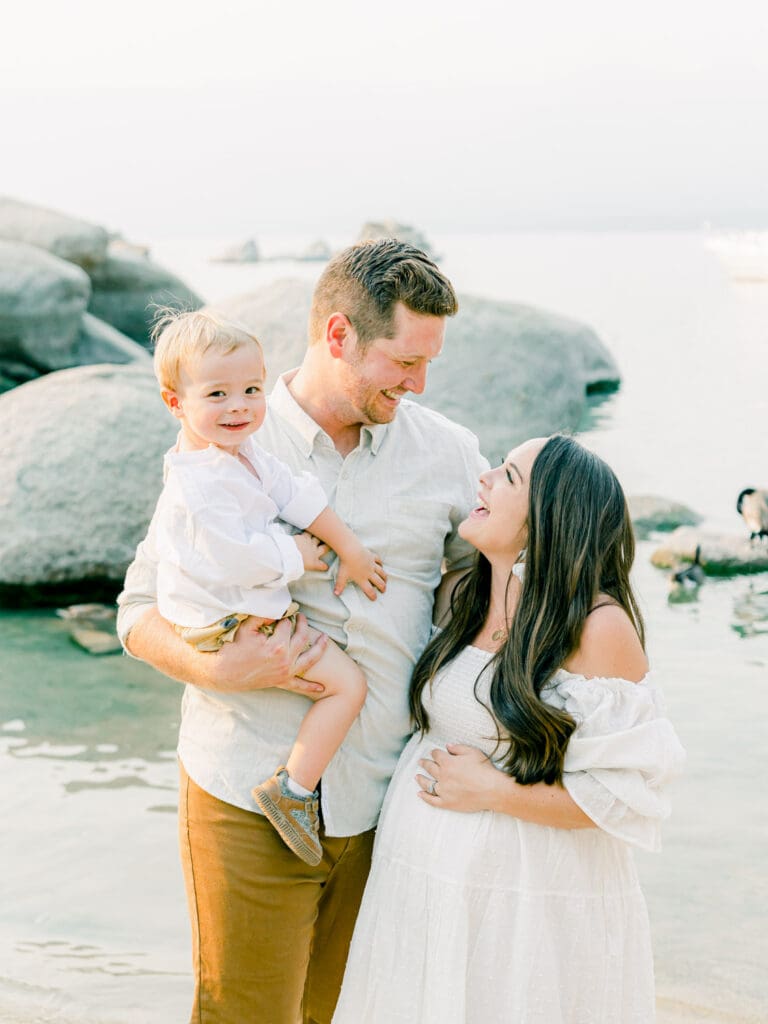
x=93, y=925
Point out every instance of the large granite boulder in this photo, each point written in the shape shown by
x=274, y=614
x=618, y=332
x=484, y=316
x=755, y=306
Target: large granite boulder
x=278, y=314
x=66, y=237
x=511, y=371
x=507, y=371
x=127, y=290
x=721, y=554
x=42, y=300
x=99, y=342
x=79, y=477
x=13, y=373
x=651, y=514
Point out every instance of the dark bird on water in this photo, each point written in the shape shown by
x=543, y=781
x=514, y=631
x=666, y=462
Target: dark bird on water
x=689, y=576
x=752, y=506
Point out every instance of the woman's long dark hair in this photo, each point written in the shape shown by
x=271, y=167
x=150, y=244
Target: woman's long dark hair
x=580, y=544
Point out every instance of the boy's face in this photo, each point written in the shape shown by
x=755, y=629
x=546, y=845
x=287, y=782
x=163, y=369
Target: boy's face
x=220, y=398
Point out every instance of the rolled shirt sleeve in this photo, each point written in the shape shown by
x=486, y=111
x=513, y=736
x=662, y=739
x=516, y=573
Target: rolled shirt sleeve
x=299, y=497
x=214, y=546
x=139, y=593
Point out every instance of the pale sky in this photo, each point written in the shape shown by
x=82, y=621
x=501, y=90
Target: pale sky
x=212, y=119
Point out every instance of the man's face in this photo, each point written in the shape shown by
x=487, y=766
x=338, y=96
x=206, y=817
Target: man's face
x=378, y=375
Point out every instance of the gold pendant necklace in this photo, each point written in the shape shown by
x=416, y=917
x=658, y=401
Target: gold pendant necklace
x=498, y=634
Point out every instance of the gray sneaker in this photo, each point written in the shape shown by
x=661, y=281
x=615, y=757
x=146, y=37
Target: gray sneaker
x=295, y=818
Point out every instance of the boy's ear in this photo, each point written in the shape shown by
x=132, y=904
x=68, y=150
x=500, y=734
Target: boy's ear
x=172, y=401
x=339, y=334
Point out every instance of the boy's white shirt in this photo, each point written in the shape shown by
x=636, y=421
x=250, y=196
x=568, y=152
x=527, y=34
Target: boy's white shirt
x=218, y=546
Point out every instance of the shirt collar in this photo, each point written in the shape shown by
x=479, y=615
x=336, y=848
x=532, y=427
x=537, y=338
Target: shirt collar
x=288, y=409
x=375, y=435
x=307, y=430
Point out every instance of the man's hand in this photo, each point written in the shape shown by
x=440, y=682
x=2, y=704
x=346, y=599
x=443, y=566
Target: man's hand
x=254, y=661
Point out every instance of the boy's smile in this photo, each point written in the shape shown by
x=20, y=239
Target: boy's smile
x=220, y=399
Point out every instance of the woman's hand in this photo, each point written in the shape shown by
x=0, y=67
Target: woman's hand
x=464, y=779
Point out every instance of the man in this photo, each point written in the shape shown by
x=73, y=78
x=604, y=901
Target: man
x=270, y=933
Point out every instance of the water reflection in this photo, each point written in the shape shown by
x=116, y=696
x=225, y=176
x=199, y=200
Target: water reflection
x=58, y=702
x=682, y=595
x=598, y=411
x=750, y=611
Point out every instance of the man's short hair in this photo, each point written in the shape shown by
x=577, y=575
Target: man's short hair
x=366, y=281
x=181, y=337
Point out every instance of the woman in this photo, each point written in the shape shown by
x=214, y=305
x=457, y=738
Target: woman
x=503, y=887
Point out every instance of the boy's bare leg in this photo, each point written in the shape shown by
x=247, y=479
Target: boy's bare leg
x=327, y=722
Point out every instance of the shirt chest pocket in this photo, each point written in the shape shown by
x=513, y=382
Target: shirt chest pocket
x=416, y=533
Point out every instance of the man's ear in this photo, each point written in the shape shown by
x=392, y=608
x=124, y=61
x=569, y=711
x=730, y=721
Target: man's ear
x=339, y=335
x=173, y=402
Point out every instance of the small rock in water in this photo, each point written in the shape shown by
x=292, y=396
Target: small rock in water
x=92, y=627
x=317, y=250
x=96, y=641
x=374, y=230
x=721, y=554
x=87, y=614
x=651, y=514
x=245, y=252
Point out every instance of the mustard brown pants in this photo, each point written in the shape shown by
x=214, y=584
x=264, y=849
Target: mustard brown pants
x=270, y=934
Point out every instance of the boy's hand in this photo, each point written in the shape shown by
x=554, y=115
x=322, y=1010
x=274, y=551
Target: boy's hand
x=311, y=550
x=365, y=569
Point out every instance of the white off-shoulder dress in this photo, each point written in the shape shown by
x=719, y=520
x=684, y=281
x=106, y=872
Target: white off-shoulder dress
x=483, y=918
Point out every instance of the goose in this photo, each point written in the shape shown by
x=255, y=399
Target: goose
x=752, y=505
x=689, y=576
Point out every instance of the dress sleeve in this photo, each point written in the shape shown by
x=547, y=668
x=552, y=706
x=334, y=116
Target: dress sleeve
x=621, y=757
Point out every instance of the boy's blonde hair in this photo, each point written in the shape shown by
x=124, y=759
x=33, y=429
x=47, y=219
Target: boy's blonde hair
x=182, y=336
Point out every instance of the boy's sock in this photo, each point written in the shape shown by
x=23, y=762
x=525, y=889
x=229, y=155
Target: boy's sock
x=297, y=789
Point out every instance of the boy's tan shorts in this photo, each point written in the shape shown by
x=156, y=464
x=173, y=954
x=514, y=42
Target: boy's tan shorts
x=213, y=637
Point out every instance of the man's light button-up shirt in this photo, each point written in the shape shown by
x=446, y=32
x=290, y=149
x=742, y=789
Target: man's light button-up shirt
x=403, y=490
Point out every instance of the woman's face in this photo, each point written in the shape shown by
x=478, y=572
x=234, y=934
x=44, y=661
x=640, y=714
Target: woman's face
x=497, y=526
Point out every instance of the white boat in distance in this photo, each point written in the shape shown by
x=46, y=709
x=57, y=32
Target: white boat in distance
x=744, y=254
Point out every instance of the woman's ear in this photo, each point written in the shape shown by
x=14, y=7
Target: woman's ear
x=173, y=402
